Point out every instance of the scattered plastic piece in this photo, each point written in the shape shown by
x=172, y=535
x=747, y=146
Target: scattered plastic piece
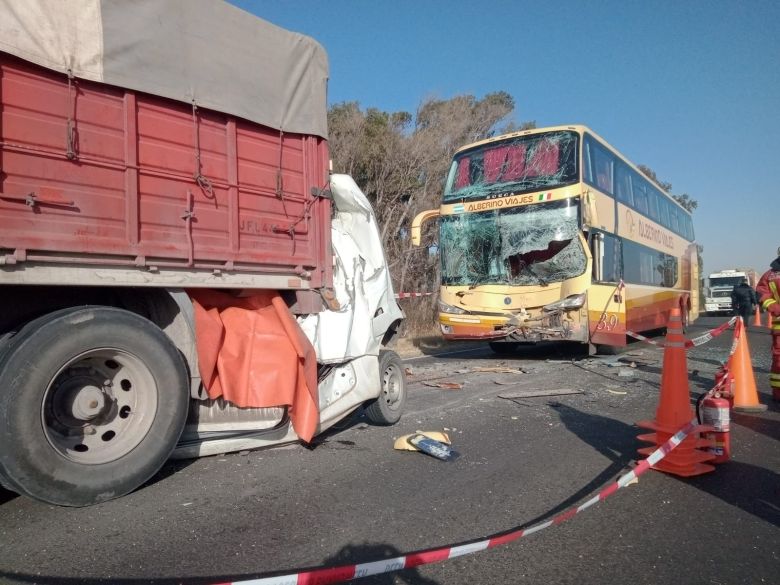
x=626, y=373
x=433, y=447
x=403, y=444
x=616, y=391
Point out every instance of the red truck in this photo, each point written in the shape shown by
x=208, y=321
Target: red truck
x=179, y=271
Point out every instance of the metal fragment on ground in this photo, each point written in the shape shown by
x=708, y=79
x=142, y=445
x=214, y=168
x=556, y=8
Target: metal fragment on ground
x=499, y=370
x=444, y=385
x=532, y=393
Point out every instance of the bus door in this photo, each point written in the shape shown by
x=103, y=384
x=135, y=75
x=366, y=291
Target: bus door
x=607, y=295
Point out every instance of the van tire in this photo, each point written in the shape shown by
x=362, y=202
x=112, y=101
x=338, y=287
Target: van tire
x=388, y=407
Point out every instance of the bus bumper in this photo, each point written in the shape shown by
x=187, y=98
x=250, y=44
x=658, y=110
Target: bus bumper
x=557, y=326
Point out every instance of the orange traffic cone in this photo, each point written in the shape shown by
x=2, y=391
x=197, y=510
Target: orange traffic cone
x=757, y=318
x=768, y=320
x=675, y=411
x=745, y=393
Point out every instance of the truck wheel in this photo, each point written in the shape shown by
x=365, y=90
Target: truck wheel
x=387, y=409
x=93, y=400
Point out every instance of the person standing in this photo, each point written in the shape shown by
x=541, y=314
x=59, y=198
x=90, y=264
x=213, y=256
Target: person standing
x=743, y=301
x=768, y=289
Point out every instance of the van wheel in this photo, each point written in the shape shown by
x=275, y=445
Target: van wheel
x=94, y=400
x=387, y=408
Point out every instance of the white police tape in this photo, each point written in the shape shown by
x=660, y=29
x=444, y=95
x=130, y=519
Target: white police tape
x=409, y=295
x=695, y=342
x=327, y=575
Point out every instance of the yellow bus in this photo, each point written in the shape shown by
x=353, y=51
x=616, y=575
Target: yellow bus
x=552, y=234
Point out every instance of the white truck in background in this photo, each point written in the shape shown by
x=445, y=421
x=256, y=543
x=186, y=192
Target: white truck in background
x=720, y=285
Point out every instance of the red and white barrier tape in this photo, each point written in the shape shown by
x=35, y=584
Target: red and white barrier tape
x=696, y=341
x=409, y=295
x=327, y=575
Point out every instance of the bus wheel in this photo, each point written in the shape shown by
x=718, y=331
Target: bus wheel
x=503, y=347
x=387, y=408
x=93, y=400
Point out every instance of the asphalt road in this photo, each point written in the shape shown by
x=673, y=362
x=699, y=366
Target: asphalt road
x=354, y=499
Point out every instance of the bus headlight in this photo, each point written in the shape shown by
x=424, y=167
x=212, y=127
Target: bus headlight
x=445, y=308
x=570, y=302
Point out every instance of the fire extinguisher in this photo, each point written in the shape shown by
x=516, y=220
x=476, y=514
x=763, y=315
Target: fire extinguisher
x=724, y=382
x=714, y=412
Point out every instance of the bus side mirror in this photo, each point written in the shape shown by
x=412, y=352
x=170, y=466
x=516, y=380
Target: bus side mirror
x=418, y=222
x=590, y=215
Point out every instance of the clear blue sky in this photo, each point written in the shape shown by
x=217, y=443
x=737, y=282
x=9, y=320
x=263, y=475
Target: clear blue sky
x=691, y=89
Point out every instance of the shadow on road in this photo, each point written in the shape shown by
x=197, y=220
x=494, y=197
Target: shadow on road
x=340, y=567
x=7, y=496
x=750, y=488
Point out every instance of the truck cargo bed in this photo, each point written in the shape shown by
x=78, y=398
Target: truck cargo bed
x=108, y=183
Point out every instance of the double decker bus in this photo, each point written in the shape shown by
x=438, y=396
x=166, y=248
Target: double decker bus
x=552, y=234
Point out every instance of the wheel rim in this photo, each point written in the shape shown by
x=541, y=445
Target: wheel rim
x=392, y=385
x=99, y=406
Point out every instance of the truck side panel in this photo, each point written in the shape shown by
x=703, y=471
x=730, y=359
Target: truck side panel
x=99, y=175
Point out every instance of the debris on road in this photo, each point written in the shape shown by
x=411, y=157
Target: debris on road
x=433, y=447
x=533, y=393
x=500, y=370
x=402, y=443
x=444, y=385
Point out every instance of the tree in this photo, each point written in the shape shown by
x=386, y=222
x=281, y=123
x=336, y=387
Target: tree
x=401, y=160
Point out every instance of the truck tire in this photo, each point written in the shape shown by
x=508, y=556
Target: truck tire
x=92, y=402
x=387, y=409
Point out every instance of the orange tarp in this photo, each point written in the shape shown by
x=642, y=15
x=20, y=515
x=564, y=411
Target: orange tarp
x=252, y=352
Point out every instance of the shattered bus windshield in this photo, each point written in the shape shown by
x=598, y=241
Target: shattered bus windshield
x=529, y=245
x=517, y=165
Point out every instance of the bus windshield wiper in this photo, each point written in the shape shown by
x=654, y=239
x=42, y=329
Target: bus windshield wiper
x=487, y=279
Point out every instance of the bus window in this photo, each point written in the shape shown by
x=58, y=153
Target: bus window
x=494, y=160
x=462, y=174
x=675, y=225
x=691, y=234
x=514, y=166
x=623, y=184
x=605, y=249
x=664, y=212
x=544, y=159
x=587, y=159
x=667, y=266
x=643, y=265
x=603, y=163
x=640, y=194
x=653, y=200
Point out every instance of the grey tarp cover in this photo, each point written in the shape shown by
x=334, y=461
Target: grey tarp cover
x=203, y=50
